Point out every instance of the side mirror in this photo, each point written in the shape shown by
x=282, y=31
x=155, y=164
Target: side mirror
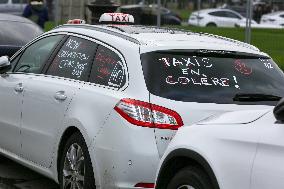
x=5, y=64
x=279, y=111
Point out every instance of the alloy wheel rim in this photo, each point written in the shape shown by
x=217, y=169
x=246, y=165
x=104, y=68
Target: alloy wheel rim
x=185, y=187
x=74, y=168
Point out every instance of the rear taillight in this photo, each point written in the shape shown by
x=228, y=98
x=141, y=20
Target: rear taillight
x=148, y=115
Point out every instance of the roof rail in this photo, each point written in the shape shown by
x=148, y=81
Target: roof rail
x=100, y=29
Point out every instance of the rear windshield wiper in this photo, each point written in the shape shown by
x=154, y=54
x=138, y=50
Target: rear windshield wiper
x=251, y=97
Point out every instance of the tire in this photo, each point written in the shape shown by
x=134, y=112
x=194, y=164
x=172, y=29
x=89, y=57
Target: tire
x=78, y=172
x=190, y=178
x=211, y=25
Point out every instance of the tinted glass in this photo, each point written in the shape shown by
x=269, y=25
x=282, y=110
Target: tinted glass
x=15, y=61
x=232, y=15
x=3, y=1
x=108, y=69
x=74, y=60
x=218, y=13
x=36, y=55
x=17, y=33
x=210, y=77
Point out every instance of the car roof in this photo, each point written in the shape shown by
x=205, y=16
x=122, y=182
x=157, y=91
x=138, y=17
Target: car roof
x=152, y=37
x=14, y=18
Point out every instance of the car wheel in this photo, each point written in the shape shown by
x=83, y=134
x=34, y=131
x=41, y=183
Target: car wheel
x=76, y=170
x=211, y=25
x=190, y=178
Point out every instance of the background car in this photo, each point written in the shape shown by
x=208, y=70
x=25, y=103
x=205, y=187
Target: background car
x=276, y=18
x=15, y=32
x=13, y=6
x=237, y=149
x=216, y=18
x=147, y=14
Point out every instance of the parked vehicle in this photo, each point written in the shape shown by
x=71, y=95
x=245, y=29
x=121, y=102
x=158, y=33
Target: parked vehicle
x=237, y=149
x=15, y=32
x=276, y=19
x=147, y=14
x=216, y=18
x=13, y=6
x=96, y=105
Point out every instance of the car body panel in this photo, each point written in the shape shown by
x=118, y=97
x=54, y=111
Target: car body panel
x=39, y=103
x=241, y=155
x=268, y=170
x=11, y=103
x=243, y=117
x=193, y=113
x=226, y=143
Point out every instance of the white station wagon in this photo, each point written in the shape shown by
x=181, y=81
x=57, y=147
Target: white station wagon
x=95, y=106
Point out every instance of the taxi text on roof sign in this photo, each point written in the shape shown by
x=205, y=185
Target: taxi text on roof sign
x=117, y=17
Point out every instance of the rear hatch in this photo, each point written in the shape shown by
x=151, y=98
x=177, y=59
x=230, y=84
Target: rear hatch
x=199, y=84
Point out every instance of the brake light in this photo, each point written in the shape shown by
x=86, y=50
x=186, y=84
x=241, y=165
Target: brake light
x=148, y=115
x=145, y=185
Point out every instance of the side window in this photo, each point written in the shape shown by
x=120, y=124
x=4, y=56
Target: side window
x=282, y=15
x=218, y=13
x=74, y=60
x=108, y=69
x=14, y=61
x=36, y=55
x=232, y=15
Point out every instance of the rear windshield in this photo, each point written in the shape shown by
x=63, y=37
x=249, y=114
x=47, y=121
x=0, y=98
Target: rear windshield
x=211, y=76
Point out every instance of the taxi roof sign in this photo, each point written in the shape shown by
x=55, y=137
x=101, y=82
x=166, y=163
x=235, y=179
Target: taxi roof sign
x=117, y=18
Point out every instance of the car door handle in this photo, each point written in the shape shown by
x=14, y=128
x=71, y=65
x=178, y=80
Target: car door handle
x=60, y=96
x=19, y=88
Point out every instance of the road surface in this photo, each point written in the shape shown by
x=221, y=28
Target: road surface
x=15, y=176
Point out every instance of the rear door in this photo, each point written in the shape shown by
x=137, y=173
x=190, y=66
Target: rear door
x=48, y=95
x=197, y=87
